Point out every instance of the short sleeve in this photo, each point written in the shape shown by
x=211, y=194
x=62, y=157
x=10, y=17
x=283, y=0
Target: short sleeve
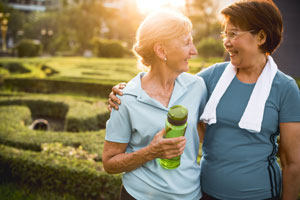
x=290, y=103
x=118, y=127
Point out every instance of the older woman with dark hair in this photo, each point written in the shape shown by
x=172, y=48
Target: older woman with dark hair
x=250, y=104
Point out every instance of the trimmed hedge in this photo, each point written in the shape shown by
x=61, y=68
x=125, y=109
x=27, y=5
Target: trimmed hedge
x=78, y=115
x=81, y=178
x=13, y=132
x=14, y=67
x=210, y=47
x=108, y=48
x=35, y=85
x=28, y=48
x=46, y=168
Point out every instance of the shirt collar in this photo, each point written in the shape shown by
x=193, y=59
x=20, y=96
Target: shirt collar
x=181, y=85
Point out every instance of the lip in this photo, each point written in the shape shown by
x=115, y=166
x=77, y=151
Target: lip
x=232, y=53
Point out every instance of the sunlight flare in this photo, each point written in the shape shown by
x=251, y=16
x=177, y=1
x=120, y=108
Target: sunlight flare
x=146, y=6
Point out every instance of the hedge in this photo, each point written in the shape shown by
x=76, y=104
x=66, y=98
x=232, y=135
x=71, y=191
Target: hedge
x=81, y=178
x=78, y=115
x=28, y=48
x=46, y=168
x=35, y=85
x=210, y=47
x=108, y=48
x=14, y=132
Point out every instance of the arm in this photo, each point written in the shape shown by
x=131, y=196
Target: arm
x=201, y=131
x=115, y=160
x=290, y=159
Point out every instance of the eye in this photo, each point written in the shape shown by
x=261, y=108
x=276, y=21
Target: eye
x=231, y=34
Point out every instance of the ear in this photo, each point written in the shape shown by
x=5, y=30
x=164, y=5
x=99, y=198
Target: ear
x=160, y=51
x=262, y=37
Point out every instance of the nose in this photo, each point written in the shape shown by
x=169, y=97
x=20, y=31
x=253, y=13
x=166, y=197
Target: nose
x=193, y=50
x=226, y=42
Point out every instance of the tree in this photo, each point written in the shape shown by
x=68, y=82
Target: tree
x=204, y=18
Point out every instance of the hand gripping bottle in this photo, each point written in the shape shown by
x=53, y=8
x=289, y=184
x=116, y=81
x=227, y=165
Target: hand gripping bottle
x=176, y=124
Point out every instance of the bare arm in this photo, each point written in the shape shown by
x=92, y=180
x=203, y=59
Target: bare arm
x=201, y=131
x=290, y=159
x=115, y=160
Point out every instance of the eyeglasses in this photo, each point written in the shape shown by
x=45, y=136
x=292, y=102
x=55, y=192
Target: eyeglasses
x=233, y=34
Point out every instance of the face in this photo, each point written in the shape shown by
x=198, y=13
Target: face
x=242, y=46
x=178, y=52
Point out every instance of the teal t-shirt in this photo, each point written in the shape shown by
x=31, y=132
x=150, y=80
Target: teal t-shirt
x=139, y=118
x=237, y=164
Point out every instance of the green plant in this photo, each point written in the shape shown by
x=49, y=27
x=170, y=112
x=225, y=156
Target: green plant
x=108, y=48
x=28, y=48
x=210, y=47
x=80, y=178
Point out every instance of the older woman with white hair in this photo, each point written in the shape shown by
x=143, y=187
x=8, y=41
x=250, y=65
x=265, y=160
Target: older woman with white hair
x=134, y=134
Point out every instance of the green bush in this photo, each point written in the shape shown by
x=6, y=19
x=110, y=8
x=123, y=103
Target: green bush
x=14, y=67
x=14, y=130
x=77, y=115
x=108, y=48
x=81, y=178
x=35, y=85
x=28, y=48
x=210, y=47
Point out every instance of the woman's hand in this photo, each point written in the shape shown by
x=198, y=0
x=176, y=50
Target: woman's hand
x=166, y=147
x=113, y=100
x=115, y=160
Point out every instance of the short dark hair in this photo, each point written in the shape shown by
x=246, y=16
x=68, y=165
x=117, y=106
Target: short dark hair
x=257, y=15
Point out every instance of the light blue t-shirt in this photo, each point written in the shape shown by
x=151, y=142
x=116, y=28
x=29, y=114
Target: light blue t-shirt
x=237, y=164
x=139, y=118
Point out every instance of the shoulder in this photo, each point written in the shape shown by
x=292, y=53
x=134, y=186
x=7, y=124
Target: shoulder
x=282, y=78
x=284, y=83
x=191, y=80
x=213, y=70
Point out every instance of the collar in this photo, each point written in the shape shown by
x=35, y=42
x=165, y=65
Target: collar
x=182, y=83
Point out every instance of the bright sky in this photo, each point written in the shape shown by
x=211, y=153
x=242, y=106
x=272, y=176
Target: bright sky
x=147, y=6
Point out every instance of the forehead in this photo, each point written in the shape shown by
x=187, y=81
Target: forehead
x=230, y=26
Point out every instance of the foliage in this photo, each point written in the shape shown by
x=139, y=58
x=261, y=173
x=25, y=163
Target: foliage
x=28, y=48
x=77, y=115
x=204, y=18
x=15, y=191
x=67, y=151
x=81, y=178
x=108, y=48
x=210, y=47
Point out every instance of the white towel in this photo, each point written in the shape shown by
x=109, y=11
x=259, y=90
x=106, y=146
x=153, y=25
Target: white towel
x=253, y=114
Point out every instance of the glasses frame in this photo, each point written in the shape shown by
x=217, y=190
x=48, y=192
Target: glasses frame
x=234, y=34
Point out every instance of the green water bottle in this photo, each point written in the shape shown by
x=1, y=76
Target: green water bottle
x=176, y=124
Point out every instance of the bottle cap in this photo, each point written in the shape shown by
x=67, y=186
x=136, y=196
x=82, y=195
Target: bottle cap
x=177, y=115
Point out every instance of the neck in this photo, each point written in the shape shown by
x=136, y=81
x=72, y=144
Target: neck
x=161, y=77
x=251, y=73
x=158, y=83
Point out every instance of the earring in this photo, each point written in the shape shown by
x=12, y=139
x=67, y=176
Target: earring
x=165, y=59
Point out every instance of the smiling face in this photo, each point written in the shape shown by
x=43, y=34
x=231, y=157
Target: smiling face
x=178, y=51
x=243, y=48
